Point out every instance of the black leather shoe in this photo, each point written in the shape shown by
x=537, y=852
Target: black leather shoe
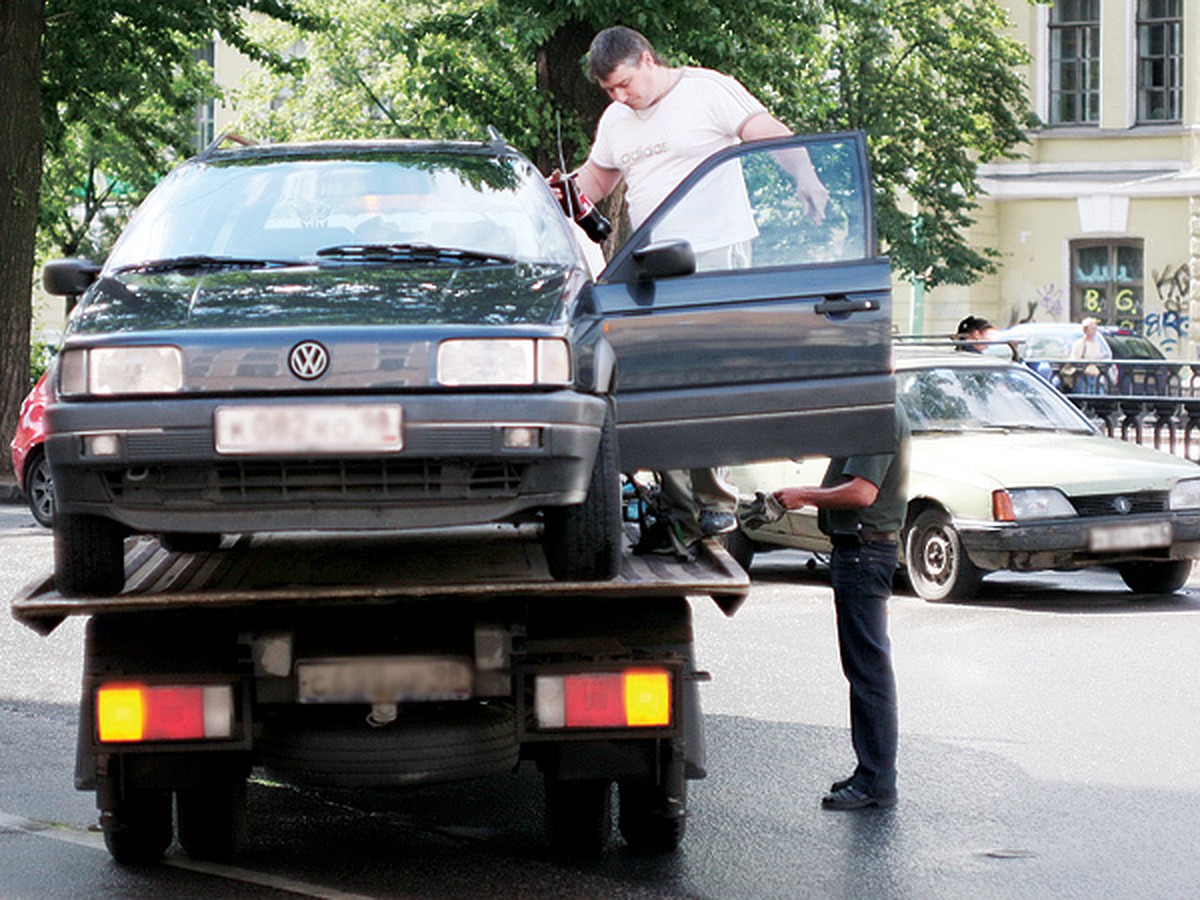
x=838, y=785
x=850, y=797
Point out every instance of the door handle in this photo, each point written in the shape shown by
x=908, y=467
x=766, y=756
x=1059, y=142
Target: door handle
x=841, y=305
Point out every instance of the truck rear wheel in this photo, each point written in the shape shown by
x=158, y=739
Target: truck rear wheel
x=89, y=555
x=651, y=819
x=138, y=829
x=212, y=821
x=578, y=815
x=583, y=542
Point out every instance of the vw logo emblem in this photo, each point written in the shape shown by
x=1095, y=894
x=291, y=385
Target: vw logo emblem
x=1123, y=505
x=308, y=360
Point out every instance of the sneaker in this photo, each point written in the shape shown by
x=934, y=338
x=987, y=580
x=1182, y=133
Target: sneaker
x=717, y=521
x=852, y=797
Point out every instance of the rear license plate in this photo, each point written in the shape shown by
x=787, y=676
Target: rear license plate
x=392, y=679
x=312, y=428
x=1110, y=538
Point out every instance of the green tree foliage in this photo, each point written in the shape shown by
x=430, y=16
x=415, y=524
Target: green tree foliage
x=934, y=84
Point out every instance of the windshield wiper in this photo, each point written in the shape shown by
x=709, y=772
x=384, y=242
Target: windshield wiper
x=413, y=253
x=202, y=261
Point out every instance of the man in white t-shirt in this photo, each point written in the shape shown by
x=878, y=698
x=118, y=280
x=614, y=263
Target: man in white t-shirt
x=662, y=123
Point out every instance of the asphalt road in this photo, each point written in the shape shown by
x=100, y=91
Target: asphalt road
x=1048, y=748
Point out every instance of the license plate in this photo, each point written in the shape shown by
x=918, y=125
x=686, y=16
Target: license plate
x=393, y=679
x=1109, y=538
x=311, y=428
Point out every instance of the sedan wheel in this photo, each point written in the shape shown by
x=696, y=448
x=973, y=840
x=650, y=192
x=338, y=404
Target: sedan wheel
x=938, y=566
x=1156, y=577
x=39, y=489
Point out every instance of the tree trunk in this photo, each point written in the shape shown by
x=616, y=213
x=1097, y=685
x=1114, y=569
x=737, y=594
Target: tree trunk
x=21, y=26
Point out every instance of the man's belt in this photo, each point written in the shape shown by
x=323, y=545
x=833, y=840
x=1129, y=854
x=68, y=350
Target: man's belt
x=863, y=536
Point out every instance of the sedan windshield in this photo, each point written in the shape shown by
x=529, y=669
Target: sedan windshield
x=958, y=399
x=288, y=209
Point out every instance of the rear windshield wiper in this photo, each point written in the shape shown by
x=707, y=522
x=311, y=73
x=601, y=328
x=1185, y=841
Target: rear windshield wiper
x=201, y=261
x=413, y=253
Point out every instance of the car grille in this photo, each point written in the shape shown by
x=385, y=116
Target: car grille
x=319, y=481
x=1106, y=504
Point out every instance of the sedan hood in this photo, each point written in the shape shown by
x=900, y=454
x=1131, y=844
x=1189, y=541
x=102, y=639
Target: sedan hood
x=334, y=295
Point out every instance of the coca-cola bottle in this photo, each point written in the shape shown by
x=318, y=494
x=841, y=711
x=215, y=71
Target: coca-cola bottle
x=576, y=205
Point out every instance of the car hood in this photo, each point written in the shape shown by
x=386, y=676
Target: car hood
x=336, y=295
x=1077, y=464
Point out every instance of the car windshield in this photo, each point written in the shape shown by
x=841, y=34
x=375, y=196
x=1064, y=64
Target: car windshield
x=288, y=209
x=961, y=399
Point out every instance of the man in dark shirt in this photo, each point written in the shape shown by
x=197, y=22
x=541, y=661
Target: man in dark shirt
x=861, y=506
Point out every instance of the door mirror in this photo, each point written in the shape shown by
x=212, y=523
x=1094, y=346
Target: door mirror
x=69, y=277
x=665, y=259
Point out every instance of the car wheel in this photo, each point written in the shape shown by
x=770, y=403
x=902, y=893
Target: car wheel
x=578, y=815
x=39, y=488
x=583, y=542
x=649, y=819
x=740, y=547
x=138, y=830
x=938, y=566
x=212, y=821
x=89, y=555
x=1156, y=577
x=183, y=542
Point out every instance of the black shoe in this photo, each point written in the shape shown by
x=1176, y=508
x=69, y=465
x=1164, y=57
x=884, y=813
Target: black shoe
x=851, y=797
x=838, y=785
x=716, y=521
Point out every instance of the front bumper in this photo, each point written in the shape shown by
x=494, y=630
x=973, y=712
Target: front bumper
x=1065, y=543
x=453, y=469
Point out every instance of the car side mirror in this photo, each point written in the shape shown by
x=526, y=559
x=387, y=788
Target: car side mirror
x=665, y=259
x=69, y=277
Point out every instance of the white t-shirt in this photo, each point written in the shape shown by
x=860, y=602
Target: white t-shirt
x=654, y=149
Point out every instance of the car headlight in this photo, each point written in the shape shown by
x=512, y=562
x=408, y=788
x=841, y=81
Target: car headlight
x=1031, y=503
x=484, y=362
x=1185, y=494
x=118, y=371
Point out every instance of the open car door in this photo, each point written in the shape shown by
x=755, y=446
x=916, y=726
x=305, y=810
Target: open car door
x=778, y=345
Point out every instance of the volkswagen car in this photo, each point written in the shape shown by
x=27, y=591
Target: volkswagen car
x=1006, y=474
x=395, y=335
x=30, y=466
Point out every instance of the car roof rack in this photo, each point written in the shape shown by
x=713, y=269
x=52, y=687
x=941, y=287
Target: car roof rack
x=950, y=342
x=223, y=138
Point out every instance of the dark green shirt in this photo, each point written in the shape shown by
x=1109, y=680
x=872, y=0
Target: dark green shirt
x=887, y=471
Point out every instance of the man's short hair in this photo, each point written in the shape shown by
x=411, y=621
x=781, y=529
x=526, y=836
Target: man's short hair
x=616, y=46
x=972, y=323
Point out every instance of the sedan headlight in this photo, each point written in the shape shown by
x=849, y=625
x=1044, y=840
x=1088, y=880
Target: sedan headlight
x=1186, y=494
x=1031, y=503
x=498, y=362
x=120, y=371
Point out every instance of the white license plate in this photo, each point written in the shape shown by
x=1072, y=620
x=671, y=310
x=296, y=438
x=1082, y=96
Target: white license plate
x=1110, y=538
x=310, y=428
x=392, y=679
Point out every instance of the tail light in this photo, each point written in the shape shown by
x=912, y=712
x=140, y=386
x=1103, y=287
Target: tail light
x=129, y=712
x=632, y=698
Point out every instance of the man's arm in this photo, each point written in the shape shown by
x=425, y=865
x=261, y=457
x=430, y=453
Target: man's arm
x=596, y=182
x=857, y=493
x=813, y=195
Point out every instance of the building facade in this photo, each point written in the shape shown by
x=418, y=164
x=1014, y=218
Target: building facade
x=1102, y=215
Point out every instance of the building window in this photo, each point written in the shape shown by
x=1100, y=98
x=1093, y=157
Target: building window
x=1160, y=60
x=1107, y=282
x=1075, y=62
x=206, y=111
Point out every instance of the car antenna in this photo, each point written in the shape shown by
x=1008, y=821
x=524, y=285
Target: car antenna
x=221, y=139
x=562, y=164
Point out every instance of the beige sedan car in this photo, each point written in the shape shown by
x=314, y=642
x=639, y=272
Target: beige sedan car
x=1006, y=474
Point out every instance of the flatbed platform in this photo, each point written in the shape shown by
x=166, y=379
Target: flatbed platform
x=291, y=569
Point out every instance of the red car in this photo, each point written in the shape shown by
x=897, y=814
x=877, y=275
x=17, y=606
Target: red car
x=29, y=456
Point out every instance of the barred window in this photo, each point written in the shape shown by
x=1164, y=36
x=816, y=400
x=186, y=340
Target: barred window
x=1075, y=62
x=1107, y=280
x=1160, y=60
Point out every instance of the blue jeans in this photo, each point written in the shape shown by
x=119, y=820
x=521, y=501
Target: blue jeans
x=862, y=584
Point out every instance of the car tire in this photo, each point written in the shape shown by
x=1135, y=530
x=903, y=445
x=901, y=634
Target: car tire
x=39, y=488
x=578, y=816
x=212, y=821
x=645, y=820
x=89, y=555
x=139, y=830
x=938, y=566
x=583, y=542
x=1156, y=577
x=738, y=545
x=184, y=542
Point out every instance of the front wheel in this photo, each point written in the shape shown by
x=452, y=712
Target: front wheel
x=1156, y=577
x=89, y=555
x=938, y=566
x=583, y=542
x=39, y=489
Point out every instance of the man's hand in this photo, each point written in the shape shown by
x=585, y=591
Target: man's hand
x=792, y=498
